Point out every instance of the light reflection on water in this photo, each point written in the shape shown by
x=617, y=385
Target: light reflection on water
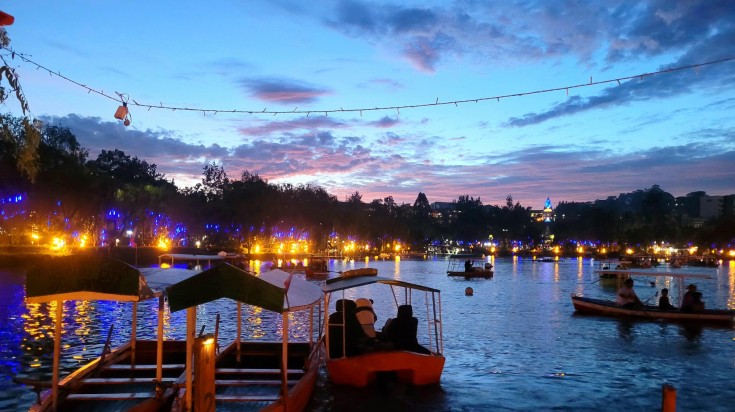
x=515, y=345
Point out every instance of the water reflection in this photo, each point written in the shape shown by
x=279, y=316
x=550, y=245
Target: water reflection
x=518, y=335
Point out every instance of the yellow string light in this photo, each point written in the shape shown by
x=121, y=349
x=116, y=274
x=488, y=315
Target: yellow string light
x=397, y=108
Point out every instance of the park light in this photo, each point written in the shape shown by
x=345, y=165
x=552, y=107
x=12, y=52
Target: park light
x=163, y=243
x=693, y=250
x=629, y=251
x=57, y=243
x=198, y=244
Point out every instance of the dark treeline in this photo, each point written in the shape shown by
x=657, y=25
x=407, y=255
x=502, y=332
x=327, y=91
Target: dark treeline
x=116, y=194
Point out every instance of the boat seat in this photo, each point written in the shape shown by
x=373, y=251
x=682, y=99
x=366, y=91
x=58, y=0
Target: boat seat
x=246, y=382
x=118, y=381
x=119, y=367
x=261, y=371
x=246, y=398
x=110, y=396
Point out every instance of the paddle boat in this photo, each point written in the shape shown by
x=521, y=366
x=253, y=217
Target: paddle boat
x=610, y=308
x=417, y=363
x=139, y=373
x=469, y=267
x=269, y=376
x=318, y=268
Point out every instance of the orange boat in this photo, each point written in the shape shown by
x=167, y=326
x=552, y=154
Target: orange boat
x=414, y=360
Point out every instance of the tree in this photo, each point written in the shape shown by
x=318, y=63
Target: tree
x=27, y=143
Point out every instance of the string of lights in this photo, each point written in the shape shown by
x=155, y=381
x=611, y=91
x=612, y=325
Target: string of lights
x=122, y=98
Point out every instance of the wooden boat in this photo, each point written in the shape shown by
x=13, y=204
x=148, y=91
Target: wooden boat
x=409, y=366
x=274, y=376
x=477, y=268
x=609, y=308
x=137, y=374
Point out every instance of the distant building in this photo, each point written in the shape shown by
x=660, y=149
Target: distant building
x=546, y=214
x=698, y=207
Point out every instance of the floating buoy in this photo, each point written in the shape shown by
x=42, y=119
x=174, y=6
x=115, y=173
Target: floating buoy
x=468, y=291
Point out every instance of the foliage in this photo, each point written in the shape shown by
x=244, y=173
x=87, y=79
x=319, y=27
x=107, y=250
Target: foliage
x=117, y=194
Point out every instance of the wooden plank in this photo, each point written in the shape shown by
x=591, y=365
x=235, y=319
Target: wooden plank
x=246, y=382
x=246, y=398
x=125, y=367
x=110, y=396
x=262, y=371
x=118, y=381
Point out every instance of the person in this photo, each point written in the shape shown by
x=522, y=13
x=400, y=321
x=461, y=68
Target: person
x=366, y=316
x=468, y=266
x=627, y=297
x=663, y=301
x=688, y=299
x=697, y=303
x=401, y=331
x=344, y=328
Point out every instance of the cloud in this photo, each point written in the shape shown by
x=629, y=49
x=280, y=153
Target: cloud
x=283, y=91
x=343, y=163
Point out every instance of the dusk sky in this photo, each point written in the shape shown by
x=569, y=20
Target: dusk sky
x=675, y=129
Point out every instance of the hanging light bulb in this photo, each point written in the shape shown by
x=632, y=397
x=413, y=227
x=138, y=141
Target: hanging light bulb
x=122, y=112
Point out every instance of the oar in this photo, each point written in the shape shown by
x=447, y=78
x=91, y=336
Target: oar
x=645, y=302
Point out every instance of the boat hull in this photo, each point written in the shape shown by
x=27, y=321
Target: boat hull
x=473, y=274
x=608, y=308
x=410, y=367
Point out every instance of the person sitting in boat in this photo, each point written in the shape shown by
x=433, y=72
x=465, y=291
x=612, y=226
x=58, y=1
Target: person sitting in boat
x=344, y=327
x=468, y=266
x=488, y=266
x=401, y=331
x=366, y=316
x=689, y=299
x=627, y=297
x=663, y=301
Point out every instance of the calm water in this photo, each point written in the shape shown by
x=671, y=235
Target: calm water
x=515, y=345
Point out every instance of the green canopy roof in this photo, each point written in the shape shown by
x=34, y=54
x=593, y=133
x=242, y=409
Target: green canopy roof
x=85, y=277
x=226, y=281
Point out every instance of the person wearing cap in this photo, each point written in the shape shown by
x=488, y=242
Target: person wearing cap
x=626, y=295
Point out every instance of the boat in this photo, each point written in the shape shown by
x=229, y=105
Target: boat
x=272, y=376
x=420, y=364
x=192, y=261
x=606, y=307
x=469, y=267
x=318, y=268
x=609, y=308
x=138, y=374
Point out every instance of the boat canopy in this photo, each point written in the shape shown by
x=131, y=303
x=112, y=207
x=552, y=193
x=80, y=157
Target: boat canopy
x=267, y=291
x=336, y=284
x=85, y=277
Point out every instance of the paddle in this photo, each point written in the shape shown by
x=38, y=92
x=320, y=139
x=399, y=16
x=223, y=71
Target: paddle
x=651, y=297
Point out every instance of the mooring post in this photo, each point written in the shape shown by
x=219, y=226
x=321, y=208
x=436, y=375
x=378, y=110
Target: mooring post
x=668, y=398
x=204, y=359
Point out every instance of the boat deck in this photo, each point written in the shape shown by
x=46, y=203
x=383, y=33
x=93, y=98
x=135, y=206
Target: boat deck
x=254, y=381
x=123, y=382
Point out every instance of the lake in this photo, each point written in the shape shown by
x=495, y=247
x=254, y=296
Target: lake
x=516, y=344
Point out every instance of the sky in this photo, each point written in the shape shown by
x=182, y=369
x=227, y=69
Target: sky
x=309, y=73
